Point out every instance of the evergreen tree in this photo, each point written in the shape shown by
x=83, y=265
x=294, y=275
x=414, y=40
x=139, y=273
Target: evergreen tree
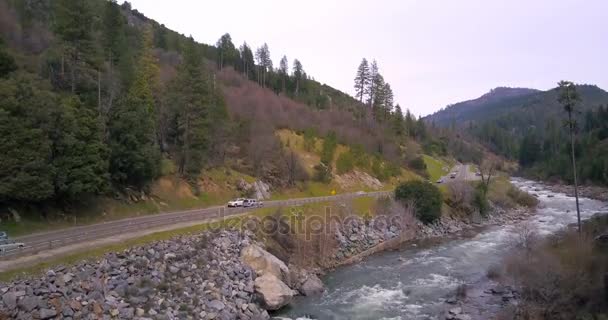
x=298, y=74
x=378, y=97
x=398, y=125
x=283, y=71
x=7, y=62
x=264, y=63
x=134, y=154
x=160, y=37
x=73, y=24
x=227, y=53
x=79, y=155
x=362, y=79
x=192, y=113
x=373, y=80
x=113, y=34
x=388, y=100
x=26, y=173
x=529, y=150
x=247, y=58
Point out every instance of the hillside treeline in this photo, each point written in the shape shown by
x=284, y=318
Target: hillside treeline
x=95, y=98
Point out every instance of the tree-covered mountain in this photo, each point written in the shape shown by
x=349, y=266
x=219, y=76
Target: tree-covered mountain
x=528, y=126
x=498, y=100
x=96, y=99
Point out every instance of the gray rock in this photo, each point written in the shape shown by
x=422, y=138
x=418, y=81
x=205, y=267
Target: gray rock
x=10, y=300
x=455, y=311
x=263, y=262
x=217, y=305
x=47, y=313
x=312, y=286
x=274, y=293
x=29, y=303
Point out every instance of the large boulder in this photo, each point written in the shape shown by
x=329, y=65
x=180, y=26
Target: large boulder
x=312, y=286
x=273, y=293
x=262, y=262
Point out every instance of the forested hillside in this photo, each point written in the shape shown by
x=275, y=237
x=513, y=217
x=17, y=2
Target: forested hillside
x=529, y=126
x=96, y=99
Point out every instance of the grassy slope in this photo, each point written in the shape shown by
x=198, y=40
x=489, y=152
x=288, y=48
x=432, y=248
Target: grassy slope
x=435, y=167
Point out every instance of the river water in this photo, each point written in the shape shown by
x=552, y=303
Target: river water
x=414, y=282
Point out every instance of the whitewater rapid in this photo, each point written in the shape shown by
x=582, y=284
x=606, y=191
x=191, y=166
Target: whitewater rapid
x=415, y=281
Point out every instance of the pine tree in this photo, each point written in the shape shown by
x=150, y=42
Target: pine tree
x=26, y=173
x=264, y=63
x=378, y=97
x=227, y=53
x=247, y=58
x=79, y=155
x=362, y=79
x=192, y=104
x=283, y=71
x=388, y=100
x=73, y=24
x=398, y=121
x=134, y=154
x=7, y=62
x=371, y=87
x=113, y=34
x=298, y=74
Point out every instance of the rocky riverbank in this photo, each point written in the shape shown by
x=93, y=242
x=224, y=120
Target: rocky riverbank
x=222, y=275
x=591, y=192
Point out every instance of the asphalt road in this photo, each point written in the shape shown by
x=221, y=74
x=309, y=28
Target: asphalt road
x=39, y=242
x=463, y=173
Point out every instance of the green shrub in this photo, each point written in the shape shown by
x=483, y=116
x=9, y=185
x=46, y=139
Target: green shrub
x=322, y=172
x=329, y=147
x=345, y=162
x=417, y=164
x=309, y=139
x=480, y=200
x=427, y=199
x=360, y=158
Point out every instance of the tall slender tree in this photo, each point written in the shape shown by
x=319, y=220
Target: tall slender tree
x=371, y=87
x=134, y=153
x=192, y=102
x=283, y=71
x=362, y=79
x=568, y=98
x=262, y=54
x=247, y=58
x=298, y=74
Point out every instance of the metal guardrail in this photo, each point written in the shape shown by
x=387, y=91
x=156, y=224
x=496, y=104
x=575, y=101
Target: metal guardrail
x=41, y=242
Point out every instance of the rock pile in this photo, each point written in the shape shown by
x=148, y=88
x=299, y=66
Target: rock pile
x=197, y=277
x=356, y=235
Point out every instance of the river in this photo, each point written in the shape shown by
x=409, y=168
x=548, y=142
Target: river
x=415, y=281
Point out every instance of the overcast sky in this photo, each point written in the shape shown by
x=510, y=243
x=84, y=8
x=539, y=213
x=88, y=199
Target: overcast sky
x=432, y=52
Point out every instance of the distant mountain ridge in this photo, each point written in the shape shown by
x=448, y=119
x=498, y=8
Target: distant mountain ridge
x=502, y=101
